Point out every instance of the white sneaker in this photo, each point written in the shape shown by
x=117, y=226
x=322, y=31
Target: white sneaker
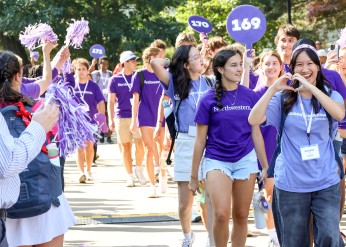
x=188, y=242
x=140, y=176
x=196, y=217
x=163, y=184
x=89, y=176
x=130, y=182
x=274, y=243
x=157, y=170
x=152, y=193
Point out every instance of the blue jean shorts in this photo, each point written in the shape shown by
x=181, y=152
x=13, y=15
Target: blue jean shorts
x=240, y=170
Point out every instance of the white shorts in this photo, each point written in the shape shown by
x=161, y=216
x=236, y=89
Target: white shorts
x=183, y=152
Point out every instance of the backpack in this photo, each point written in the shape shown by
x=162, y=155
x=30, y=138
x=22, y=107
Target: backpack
x=40, y=181
x=278, y=142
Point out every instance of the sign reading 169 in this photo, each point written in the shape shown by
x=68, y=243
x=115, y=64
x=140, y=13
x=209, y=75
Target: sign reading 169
x=246, y=24
x=97, y=51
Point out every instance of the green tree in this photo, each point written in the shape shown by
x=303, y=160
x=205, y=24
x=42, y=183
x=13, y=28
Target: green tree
x=117, y=25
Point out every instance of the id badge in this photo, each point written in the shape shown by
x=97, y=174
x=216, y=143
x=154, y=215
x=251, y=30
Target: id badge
x=85, y=107
x=310, y=152
x=192, y=130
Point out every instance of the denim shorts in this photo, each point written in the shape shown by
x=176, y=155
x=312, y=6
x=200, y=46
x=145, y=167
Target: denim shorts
x=240, y=170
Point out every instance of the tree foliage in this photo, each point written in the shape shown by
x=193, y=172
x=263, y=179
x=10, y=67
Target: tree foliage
x=133, y=24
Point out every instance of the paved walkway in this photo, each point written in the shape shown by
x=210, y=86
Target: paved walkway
x=110, y=214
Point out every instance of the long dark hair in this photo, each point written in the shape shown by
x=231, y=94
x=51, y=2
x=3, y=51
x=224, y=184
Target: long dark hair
x=321, y=82
x=181, y=76
x=219, y=61
x=9, y=67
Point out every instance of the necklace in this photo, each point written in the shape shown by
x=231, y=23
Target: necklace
x=231, y=95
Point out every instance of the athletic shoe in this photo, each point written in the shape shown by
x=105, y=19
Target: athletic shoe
x=157, y=170
x=140, y=176
x=188, y=242
x=273, y=243
x=152, y=193
x=93, y=164
x=130, y=182
x=89, y=176
x=109, y=140
x=82, y=178
x=163, y=184
x=195, y=215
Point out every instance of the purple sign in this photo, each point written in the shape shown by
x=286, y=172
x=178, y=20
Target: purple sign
x=246, y=24
x=97, y=51
x=200, y=24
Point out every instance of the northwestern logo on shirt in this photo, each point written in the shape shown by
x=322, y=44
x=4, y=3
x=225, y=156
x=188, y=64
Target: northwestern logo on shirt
x=233, y=108
x=318, y=116
x=151, y=82
x=122, y=84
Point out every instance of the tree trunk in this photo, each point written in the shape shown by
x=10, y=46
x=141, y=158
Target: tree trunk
x=12, y=43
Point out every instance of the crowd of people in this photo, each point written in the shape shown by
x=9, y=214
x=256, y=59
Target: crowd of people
x=236, y=114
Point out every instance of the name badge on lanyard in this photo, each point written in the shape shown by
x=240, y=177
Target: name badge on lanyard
x=309, y=152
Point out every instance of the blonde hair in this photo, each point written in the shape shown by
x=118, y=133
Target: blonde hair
x=78, y=61
x=184, y=38
x=158, y=43
x=148, y=52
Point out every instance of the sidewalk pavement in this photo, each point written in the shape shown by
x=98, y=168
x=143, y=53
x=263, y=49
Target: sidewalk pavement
x=110, y=214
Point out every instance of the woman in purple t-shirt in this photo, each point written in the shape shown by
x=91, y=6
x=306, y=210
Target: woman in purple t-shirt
x=89, y=94
x=230, y=162
x=146, y=98
x=271, y=69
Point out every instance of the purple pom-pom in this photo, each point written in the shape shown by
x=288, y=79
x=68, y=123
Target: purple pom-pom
x=76, y=33
x=39, y=33
x=342, y=38
x=101, y=122
x=74, y=129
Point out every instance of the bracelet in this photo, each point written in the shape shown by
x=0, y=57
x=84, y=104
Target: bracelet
x=167, y=61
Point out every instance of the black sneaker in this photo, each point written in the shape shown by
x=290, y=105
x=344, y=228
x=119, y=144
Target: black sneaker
x=109, y=140
x=102, y=140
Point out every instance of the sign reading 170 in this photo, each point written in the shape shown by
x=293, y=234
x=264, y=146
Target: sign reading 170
x=246, y=24
x=200, y=24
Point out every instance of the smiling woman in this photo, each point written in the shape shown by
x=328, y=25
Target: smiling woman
x=310, y=183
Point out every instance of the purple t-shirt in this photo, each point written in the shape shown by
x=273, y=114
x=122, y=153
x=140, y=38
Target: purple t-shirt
x=187, y=108
x=120, y=85
x=268, y=132
x=253, y=80
x=229, y=132
x=30, y=90
x=149, y=97
x=291, y=172
x=91, y=94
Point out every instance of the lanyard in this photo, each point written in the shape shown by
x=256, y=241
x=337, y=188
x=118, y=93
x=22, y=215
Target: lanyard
x=104, y=79
x=127, y=83
x=80, y=91
x=199, y=91
x=308, y=125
